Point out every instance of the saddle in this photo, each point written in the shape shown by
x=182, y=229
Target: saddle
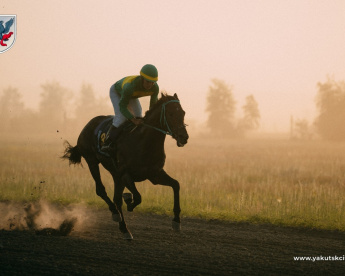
x=102, y=129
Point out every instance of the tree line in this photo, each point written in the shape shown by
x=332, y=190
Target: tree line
x=60, y=109
x=221, y=109
x=328, y=124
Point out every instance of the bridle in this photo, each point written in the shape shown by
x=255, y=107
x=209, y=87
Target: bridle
x=164, y=122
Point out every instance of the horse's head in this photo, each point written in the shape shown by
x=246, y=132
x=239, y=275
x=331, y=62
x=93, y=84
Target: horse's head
x=175, y=120
x=169, y=118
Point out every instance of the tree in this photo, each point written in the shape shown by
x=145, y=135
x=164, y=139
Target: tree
x=11, y=103
x=251, y=117
x=302, y=129
x=330, y=102
x=11, y=106
x=94, y=106
x=221, y=108
x=53, y=105
x=86, y=102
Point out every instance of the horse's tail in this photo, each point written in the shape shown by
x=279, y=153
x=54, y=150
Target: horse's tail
x=72, y=154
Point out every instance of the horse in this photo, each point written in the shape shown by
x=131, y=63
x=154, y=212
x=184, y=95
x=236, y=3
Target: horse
x=139, y=156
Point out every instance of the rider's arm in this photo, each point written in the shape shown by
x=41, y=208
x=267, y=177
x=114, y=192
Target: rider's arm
x=154, y=96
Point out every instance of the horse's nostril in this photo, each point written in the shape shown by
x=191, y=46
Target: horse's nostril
x=183, y=139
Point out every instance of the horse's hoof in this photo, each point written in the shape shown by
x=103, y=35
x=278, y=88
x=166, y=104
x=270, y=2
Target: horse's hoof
x=129, y=208
x=117, y=217
x=127, y=236
x=128, y=197
x=176, y=226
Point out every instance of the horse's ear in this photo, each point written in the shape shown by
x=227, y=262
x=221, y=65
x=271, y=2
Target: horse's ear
x=175, y=95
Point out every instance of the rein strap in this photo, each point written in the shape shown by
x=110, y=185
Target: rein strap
x=163, y=120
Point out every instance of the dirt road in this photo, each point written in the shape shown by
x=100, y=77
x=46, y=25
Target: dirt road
x=201, y=248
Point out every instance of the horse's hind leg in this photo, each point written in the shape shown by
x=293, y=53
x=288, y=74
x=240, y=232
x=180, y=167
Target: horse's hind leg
x=136, y=200
x=163, y=178
x=100, y=190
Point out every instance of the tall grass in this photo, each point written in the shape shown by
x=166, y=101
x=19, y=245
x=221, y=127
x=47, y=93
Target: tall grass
x=264, y=181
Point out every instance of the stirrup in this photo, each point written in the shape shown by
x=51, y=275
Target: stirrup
x=111, y=147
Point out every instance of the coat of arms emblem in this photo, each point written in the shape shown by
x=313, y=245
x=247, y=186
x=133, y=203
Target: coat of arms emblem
x=8, y=32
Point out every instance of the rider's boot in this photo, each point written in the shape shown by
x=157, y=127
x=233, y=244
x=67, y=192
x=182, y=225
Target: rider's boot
x=110, y=140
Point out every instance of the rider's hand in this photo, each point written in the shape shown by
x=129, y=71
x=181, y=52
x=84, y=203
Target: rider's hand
x=137, y=121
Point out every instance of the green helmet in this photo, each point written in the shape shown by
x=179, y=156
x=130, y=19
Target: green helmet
x=149, y=72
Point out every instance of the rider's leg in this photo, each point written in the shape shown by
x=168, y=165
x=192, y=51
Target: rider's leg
x=119, y=119
x=113, y=132
x=134, y=107
x=110, y=140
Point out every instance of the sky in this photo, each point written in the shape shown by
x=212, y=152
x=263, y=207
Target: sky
x=273, y=49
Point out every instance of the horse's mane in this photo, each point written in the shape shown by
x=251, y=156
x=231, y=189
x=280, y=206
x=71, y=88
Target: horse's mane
x=163, y=99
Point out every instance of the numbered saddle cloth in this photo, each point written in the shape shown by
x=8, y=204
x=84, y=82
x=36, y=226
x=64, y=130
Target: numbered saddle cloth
x=101, y=133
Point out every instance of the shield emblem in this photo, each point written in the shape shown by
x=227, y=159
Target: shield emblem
x=8, y=31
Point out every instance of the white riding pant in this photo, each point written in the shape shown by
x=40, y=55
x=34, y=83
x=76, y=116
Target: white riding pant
x=133, y=106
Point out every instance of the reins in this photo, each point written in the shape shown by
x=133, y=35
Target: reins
x=163, y=120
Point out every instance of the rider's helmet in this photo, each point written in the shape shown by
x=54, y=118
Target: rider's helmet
x=149, y=72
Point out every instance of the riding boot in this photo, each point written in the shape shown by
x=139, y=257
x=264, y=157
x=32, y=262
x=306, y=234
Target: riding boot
x=110, y=140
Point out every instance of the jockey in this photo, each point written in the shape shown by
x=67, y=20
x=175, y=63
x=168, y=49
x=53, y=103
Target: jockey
x=124, y=96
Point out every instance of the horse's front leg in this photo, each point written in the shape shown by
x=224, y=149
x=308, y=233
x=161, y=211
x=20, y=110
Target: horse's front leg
x=134, y=199
x=163, y=178
x=118, y=191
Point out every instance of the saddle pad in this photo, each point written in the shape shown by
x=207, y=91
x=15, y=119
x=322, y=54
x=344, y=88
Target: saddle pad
x=101, y=133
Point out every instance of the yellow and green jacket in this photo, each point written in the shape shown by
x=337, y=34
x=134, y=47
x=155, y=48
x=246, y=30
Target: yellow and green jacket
x=131, y=87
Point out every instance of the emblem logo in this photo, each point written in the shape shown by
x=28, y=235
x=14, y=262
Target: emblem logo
x=8, y=32
x=103, y=135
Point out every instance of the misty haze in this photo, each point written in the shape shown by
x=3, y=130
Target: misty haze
x=260, y=183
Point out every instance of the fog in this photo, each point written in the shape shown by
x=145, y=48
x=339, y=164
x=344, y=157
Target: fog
x=276, y=51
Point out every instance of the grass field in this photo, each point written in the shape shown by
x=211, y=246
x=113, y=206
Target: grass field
x=264, y=181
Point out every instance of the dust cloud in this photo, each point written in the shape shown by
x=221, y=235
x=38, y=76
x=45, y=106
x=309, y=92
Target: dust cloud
x=42, y=217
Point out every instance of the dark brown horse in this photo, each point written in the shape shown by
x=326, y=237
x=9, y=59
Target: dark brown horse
x=140, y=155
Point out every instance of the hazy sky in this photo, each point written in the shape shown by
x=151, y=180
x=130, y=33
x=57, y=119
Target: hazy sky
x=276, y=50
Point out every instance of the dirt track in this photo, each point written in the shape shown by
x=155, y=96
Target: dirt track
x=201, y=248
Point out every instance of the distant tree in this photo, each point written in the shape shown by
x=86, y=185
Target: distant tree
x=89, y=106
x=11, y=106
x=14, y=116
x=221, y=109
x=86, y=102
x=54, y=104
x=302, y=129
x=251, y=118
x=330, y=102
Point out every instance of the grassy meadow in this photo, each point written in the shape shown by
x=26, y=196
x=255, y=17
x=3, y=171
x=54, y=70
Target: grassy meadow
x=261, y=181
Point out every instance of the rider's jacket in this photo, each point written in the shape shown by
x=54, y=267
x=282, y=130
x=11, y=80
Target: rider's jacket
x=131, y=87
